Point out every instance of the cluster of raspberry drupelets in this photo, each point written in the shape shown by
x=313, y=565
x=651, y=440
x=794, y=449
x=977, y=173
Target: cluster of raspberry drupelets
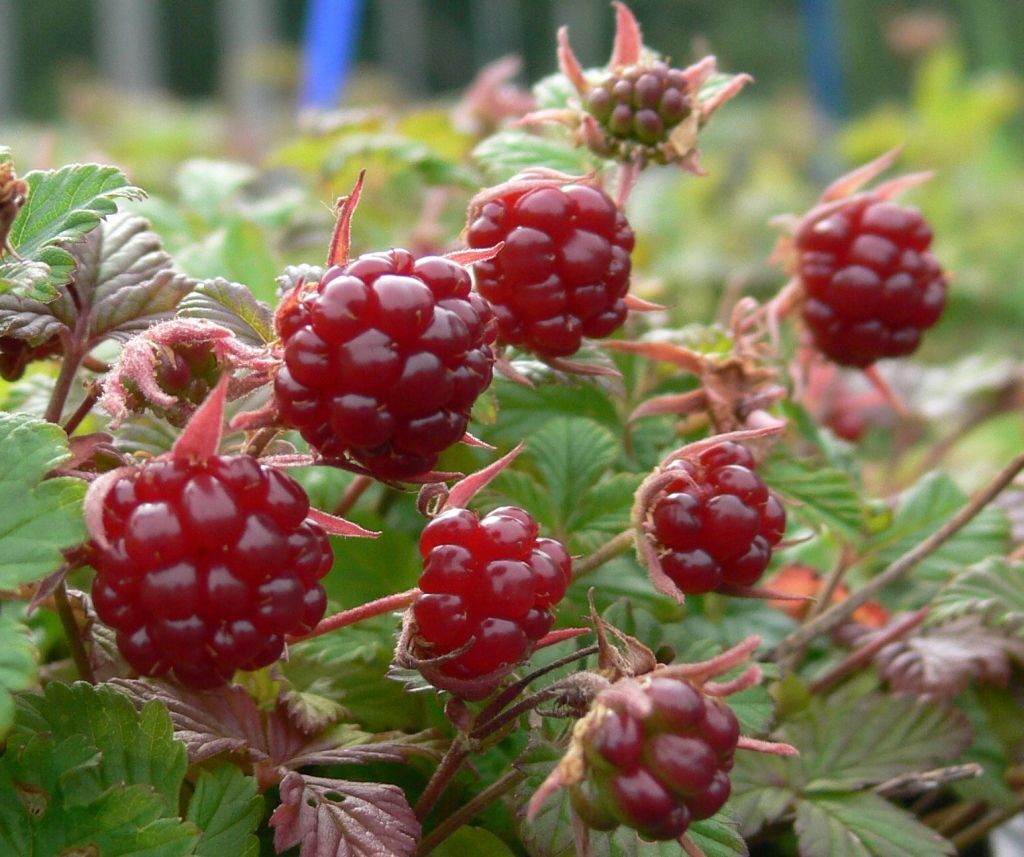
x=563, y=272
x=203, y=567
x=714, y=522
x=638, y=109
x=639, y=104
x=383, y=360
x=658, y=771
x=872, y=285
x=490, y=586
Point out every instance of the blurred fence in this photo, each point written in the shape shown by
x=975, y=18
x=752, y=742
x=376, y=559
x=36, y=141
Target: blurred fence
x=205, y=47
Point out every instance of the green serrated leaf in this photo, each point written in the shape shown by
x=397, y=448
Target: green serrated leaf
x=524, y=490
x=64, y=204
x=992, y=589
x=137, y=748
x=718, y=836
x=570, y=453
x=231, y=305
x=18, y=658
x=504, y=154
x=34, y=280
x=603, y=511
x=123, y=284
x=863, y=825
x=761, y=790
x=227, y=808
x=47, y=515
x=852, y=739
x=926, y=507
x=128, y=822
x=823, y=495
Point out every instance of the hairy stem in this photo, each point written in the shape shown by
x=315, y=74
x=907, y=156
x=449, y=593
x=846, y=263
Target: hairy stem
x=447, y=768
x=357, y=614
x=74, y=635
x=62, y=386
x=834, y=616
x=468, y=811
x=356, y=488
x=513, y=690
x=608, y=551
x=82, y=411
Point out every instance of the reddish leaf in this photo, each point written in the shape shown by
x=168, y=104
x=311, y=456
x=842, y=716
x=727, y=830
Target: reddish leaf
x=201, y=437
x=339, y=818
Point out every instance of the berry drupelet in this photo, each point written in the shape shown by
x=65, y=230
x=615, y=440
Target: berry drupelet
x=660, y=771
x=871, y=284
x=202, y=568
x=383, y=360
x=563, y=272
x=714, y=522
x=491, y=580
x=640, y=105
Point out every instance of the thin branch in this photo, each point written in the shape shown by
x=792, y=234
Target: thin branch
x=862, y=656
x=513, y=690
x=608, y=551
x=447, y=768
x=82, y=411
x=840, y=613
x=356, y=488
x=73, y=634
x=62, y=386
x=387, y=604
x=984, y=825
x=469, y=811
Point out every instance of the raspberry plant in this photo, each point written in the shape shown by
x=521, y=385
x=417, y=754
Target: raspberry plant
x=617, y=580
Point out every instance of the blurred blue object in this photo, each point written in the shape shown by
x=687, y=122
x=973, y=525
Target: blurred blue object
x=332, y=31
x=824, y=54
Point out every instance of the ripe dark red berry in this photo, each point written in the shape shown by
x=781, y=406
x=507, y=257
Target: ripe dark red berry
x=638, y=106
x=207, y=566
x=872, y=285
x=383, y=361
x=564, y=270
x=659, y=772
x=715, y=522
x=492, y=580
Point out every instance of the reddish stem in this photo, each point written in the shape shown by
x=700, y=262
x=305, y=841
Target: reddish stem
x=863, y=655
x=356, y=488
x=561, y=635
x=345, y=618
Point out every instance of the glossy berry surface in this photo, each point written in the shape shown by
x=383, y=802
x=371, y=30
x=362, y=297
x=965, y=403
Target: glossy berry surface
x=660, y=772
x=715, y=523
x=207, y=566
x=492, y=580
x=872, y=285
x=639, y=105
x=383, y=361
x=563, y=272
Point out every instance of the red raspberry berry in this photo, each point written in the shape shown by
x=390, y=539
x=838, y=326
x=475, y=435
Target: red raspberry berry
x=659, y=772
x=383, y=361
x=564, y=270
x=489, y=579
x=872, y=285
x=715, y=523
x=207, y=566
